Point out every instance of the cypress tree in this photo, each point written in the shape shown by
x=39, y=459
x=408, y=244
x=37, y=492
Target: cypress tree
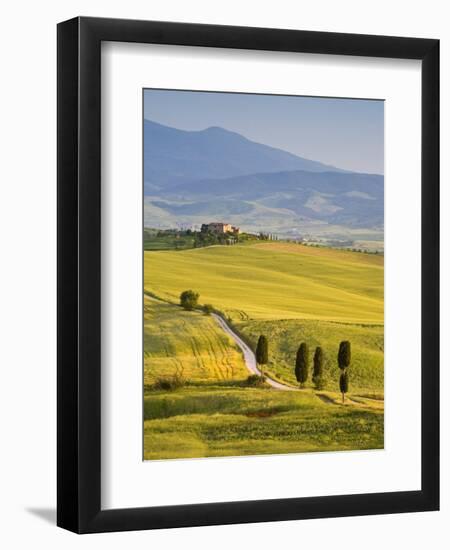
x=343, y=384
x=301, y=364
x=317, y=377
x=344, y=354
x=262, y=351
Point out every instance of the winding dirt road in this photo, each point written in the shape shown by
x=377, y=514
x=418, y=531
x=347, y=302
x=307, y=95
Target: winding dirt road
x=249, y=356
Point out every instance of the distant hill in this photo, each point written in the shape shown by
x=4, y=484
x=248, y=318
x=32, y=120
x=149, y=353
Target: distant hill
x=216, y=175
x=350, y=199
x=173, y=156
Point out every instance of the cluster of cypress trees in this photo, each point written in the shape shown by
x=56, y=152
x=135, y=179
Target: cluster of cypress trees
x=302, y=366
x=302, y=363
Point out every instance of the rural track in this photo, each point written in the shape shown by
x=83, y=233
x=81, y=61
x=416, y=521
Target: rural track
x=249, y=356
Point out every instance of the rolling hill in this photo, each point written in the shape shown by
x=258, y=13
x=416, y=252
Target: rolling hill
x=187, y=344
x=216, y=175
x=273, y=281
x=291, y=293
x=332, y=197
x=288, y=292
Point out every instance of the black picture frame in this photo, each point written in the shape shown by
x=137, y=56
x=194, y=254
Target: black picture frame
x=79, y=280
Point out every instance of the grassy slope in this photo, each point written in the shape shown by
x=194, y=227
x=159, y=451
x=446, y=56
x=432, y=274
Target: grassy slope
x=189, y=344
x=274, y=281
x=367, y=371
x=218, y=421
x=167, y=242
x=291, y=293
x=257, y=285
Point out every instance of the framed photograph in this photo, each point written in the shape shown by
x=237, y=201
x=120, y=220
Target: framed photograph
x=248, y=275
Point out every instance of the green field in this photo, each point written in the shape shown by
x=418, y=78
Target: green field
x=274, y=281
x=221, y=421
x=367, y=372
x=188, y=344
x=155, y=241
x=290, y=293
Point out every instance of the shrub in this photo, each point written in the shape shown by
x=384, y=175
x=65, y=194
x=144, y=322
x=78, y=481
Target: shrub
x=208, y=309
x=255, y=380
x=189, y=299
x=169, y=383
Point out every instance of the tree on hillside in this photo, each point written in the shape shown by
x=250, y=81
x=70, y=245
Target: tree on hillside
x=301, y=364
x=344, y=354
x=317, y=376
x=262, y=351
x=343, y=384
x=189, y=299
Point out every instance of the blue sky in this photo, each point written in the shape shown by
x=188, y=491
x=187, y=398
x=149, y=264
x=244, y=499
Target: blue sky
x=347, y=133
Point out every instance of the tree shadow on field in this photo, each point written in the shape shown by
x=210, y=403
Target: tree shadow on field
x=46, y=514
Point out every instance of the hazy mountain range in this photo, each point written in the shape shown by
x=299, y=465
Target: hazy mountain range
x=192, y=177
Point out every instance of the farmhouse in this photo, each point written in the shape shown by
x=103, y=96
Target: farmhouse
x=216, y=227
